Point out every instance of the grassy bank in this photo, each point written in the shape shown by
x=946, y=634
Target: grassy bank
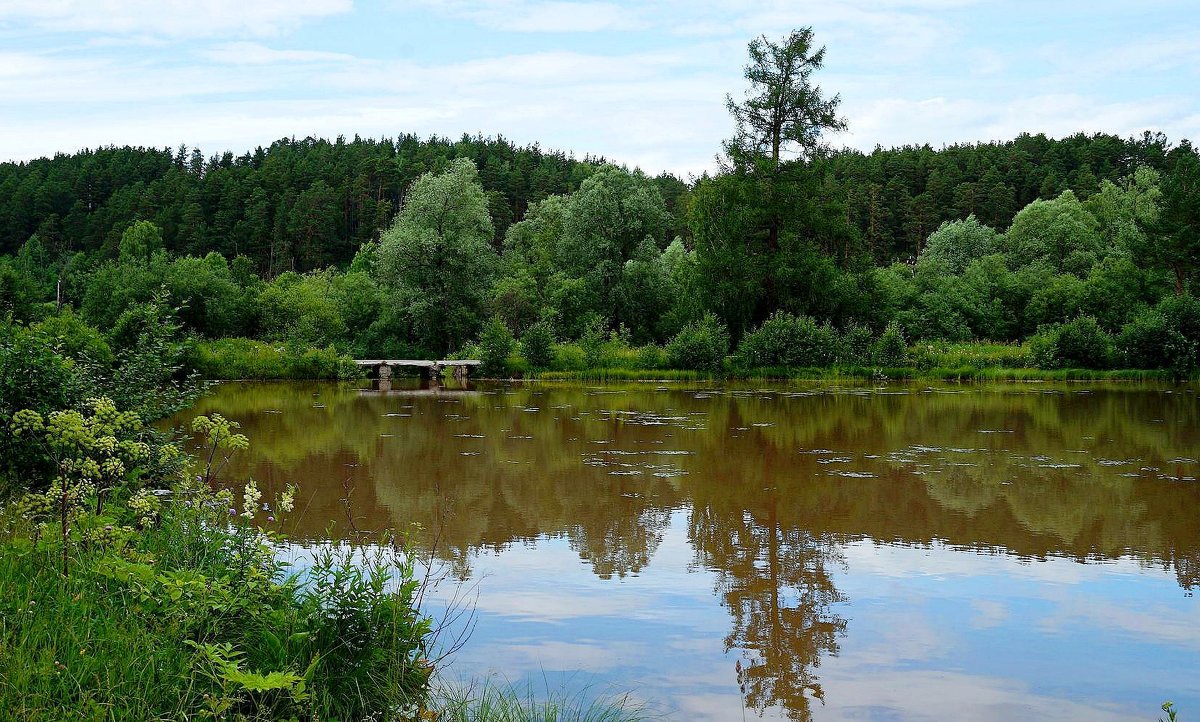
x=615, y=360
x=231, y=359
x=121, y=603
x=966, y=373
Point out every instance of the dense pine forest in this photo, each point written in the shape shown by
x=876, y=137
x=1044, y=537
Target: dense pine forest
x=304, y=204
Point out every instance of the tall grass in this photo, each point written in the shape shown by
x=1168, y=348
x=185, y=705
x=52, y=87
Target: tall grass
x=243, y=358
x=489, y=701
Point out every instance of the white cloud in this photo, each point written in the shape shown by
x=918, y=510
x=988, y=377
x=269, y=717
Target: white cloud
x=943, y=694
x=540, y=16
x=171, y=18
x=249, y=53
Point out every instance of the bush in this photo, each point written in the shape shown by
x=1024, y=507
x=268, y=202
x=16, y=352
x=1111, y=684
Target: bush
x=652, y=356
x=71, y=337
x=495, y=344
x=1157, y=339
x=592, y=341
x=1079, y=343
x=700, y=345
x=891, y=349
x=787, y=340
x=855, y=349
x=537, y=344
x=32, y=376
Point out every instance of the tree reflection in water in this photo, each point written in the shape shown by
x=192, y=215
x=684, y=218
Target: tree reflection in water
x=774, y=580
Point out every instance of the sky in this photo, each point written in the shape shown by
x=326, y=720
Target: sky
x=640, y=83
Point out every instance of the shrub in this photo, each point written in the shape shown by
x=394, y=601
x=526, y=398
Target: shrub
x=1157, y=338
x=787, y=340
x=569, y=357
x=855, y=348
x=495, y=344
x=652, y=356
x=891, y=349
x=700, y=345
x=71, y=337
x=1079, y=343
x=32, y=376
x=592, y=341
x=537, y=344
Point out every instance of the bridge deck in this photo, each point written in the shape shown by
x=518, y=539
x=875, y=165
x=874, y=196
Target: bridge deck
x=419, y=363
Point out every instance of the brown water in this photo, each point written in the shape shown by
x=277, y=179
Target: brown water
x=903, y=552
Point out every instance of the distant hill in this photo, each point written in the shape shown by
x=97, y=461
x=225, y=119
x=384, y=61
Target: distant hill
x=302, y=204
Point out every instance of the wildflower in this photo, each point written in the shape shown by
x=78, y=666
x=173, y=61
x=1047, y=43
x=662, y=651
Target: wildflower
x=287, y=500
x=250, y=497
x=232, y=511
x=271, y=519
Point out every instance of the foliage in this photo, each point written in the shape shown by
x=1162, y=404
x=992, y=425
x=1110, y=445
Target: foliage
x=438, y=258
x=496, y=343
x=891, y=349
x=1079, y=343
x=782, y=107
x=139, y=242
x=537, y=345
x=149, y=376
x=958, y=243
x=700, y=345
x=33, y=376
x=180, y=606
x=1164, y=337
x=787, y=340
x=243, y=358
x=1060, y=233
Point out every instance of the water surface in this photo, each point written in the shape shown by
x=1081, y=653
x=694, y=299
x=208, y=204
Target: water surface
x=900, y=552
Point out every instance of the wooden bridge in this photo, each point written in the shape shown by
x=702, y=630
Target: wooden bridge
x=432, y=369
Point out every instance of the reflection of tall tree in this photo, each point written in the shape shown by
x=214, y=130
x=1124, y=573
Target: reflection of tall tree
x=774, y=579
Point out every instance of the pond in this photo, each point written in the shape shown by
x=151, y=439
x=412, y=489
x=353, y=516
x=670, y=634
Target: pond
x=1023, y=551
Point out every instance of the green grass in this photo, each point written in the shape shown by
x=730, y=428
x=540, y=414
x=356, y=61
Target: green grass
x=149, y=629
x=243, y=358
x=624, y=374
x=489, y=701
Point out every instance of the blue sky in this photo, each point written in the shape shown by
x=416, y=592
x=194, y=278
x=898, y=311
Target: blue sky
x=640, y=83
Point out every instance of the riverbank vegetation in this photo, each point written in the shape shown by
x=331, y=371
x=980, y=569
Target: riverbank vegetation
x=141, y=583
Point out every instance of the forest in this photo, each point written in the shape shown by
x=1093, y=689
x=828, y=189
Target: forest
x=1081, y=251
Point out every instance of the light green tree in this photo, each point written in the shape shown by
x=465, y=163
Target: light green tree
x=1059, y=232
x=958, y=243
x=139, y=241
x=437, y=258
x=606, y=221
